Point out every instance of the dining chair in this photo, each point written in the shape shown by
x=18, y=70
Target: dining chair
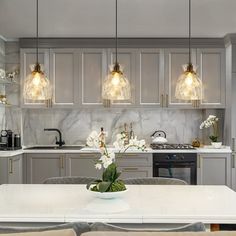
x=69, y=180
x=155, y=181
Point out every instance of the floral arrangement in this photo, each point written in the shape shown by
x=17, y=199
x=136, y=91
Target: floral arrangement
x=110, y=181
x=211, y=121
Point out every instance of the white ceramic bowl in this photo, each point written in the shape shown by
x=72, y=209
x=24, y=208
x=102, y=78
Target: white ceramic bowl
x=216, y=144
x=108, y=195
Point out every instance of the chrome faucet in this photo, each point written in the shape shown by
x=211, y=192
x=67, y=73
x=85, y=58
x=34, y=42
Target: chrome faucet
x=60, y=142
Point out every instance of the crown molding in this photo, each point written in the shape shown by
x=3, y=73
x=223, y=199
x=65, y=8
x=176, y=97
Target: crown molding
x=122, y=42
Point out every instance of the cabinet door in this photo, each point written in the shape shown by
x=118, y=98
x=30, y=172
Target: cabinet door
x=4, y=170
x=28, y=57
x=134, y=159
x=174, y=61
x=211, y=64
x=150, y=74
x=92, y=73
x=15, y=167
x=126, y=58
x=43, y=166
x=214, y=169
x=64, y=76
x=82, y=164
x=135, y=172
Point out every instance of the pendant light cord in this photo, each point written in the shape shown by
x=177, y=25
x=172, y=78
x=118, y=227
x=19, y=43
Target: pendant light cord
x=189, y=28
x=116, y=32
x=37, y=30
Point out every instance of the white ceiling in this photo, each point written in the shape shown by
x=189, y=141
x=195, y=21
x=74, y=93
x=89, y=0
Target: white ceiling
x=137, y=18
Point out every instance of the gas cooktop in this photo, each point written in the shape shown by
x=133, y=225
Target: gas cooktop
x=172, y=146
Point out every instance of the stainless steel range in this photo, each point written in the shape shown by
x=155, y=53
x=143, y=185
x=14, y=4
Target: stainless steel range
x=180, y=165
x=171, y=146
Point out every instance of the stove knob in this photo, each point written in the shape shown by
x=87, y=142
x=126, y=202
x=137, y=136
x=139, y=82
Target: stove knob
x=168, y=158
x=181, y=157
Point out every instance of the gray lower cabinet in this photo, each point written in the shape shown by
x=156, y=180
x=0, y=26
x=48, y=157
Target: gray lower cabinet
x=41, y=166
x=214, y=169
x=82, y=164
x=11, y=170
x=134, y=165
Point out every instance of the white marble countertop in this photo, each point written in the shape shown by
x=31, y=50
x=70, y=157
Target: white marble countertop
x=205, y=149
x=141, y=204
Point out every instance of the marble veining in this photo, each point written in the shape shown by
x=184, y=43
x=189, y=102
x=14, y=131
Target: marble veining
x=181, y=126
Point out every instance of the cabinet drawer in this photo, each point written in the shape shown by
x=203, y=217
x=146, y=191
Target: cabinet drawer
x=134, y=159
x=135, y=172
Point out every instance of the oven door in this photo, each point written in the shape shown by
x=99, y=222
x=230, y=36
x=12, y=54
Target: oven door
x=184, y=171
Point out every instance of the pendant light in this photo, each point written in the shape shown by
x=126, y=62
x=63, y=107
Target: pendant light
x=116, y=86
x=189, y=85
x=37, y=87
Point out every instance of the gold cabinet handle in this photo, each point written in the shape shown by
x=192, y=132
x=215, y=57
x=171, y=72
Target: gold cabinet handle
x=162, y=100
x=167, y=100
x=233, y=160
x=62, y=162
x=196, y=103
x=198, y=161
x=10, y=166
x=130, y=168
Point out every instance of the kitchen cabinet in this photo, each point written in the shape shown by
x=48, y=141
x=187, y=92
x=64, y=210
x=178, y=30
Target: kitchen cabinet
x=214, y=169
x=11, y=170
x=77, y=75
x=82, y=164
x=93, y=70
x=41, y=166
x=27, y=59
x=126, y=58
x=64, y=73
x=211, y=64
x=134, y=165
x=150, y=74
x=174, y=61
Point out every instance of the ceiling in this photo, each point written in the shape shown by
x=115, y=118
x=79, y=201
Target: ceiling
x=136, y=18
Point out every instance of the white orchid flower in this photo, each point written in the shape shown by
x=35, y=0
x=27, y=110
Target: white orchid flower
x=98, y=166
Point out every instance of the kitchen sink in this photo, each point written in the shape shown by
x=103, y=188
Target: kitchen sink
x=55, y=147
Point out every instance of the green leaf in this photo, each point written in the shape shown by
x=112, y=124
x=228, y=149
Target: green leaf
x=110, y=173
x=116, y=176
x=103, y=186
x=93, y=182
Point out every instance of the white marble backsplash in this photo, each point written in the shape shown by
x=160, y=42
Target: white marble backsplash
x=181, y=126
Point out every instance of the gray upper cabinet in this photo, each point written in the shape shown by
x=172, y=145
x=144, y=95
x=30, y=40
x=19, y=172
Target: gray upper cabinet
x=64, y=77
x=149, y=80
x=174, y=61
x=211, y=64
x=28, y=58
x=126, y=58
x=77, y=75
x=92, y=66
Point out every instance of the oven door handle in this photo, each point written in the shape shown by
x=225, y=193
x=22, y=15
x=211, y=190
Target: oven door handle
x=175, y=164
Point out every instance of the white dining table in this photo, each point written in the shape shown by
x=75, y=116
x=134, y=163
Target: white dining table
x=141, y=204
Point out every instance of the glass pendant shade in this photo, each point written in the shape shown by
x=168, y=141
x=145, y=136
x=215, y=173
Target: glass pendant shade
x=189, y=85
x=116, y=86
x=37, y=87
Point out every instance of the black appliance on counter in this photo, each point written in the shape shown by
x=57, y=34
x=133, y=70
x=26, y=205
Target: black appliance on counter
x=179, y=165
x=7, y=142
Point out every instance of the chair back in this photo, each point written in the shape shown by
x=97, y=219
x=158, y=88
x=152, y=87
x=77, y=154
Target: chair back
x=69, y=180
x=155, y=181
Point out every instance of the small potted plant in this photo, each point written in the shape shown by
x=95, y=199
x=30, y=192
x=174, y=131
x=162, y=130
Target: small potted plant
x=212, y=121
x=110, y=186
